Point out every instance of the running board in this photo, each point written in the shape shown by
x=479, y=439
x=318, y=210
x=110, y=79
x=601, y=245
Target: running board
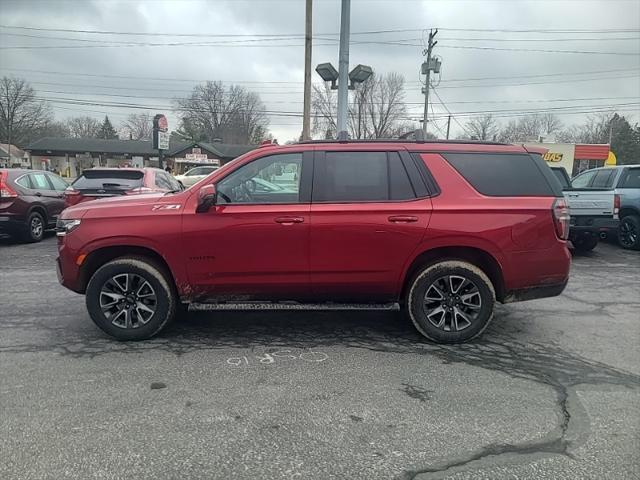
x=203, y=307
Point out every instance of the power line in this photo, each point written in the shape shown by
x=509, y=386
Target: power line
x=540, y=50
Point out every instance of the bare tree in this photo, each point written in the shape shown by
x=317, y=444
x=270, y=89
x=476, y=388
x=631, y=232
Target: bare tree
x=482, y=128
x=22, y=114
x=212, y=111
x=137, y=126
x=376, y=108
x=83, y=127
x=530, y=128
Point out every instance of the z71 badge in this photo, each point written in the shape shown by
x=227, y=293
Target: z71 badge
x=174, y=206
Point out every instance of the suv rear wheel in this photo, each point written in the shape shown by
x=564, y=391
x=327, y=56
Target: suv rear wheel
x=451, y=301
x=130, y=299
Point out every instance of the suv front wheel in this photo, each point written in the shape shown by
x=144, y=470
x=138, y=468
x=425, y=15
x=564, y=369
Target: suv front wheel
x=451, y=301
x=130, y=299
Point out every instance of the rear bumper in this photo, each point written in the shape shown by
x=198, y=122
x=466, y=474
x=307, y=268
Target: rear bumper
x=592, y=224
x=531, y=293
x=11, y=224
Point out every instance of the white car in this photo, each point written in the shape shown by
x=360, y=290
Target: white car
x=195, y=175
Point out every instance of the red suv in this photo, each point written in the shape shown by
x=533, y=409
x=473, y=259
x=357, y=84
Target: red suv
x=441, y=229
x=97, y=183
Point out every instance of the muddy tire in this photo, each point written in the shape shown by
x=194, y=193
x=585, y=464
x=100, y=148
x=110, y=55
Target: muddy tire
x=131, y=298
x=451, y=301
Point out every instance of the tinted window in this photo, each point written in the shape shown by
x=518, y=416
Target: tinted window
x=125, y=179
x=583, y=180
x=57, y=182
x=603, y=179
x=267, y=180
x=351, y=177
x=399, y=184
x=504, y=175
x=631, y=178
x=39, y=181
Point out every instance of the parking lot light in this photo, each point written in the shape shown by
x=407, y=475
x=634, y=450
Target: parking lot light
x=359, y=74
x=328, y=73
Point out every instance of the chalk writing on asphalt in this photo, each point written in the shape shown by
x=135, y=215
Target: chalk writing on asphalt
x=311, y=356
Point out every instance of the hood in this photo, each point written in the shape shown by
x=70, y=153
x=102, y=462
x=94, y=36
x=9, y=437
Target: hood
x=126, y=205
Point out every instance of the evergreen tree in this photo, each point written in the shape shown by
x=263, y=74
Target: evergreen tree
x=107, y=131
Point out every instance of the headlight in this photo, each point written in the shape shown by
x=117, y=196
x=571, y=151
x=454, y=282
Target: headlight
x=66, y=226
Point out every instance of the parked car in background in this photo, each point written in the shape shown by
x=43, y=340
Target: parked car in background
x=97, y=183
x=594, y=211
x=624, y=182
x=196, y=174
x=444, y=229
x=30, y=202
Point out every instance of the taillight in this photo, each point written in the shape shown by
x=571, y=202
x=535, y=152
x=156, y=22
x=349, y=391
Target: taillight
x=616, y=206
x=561, y=218
x=5, y=190
x=71, y=191
x=71, y=196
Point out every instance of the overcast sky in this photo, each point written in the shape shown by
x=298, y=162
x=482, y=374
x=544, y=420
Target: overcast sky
x=545, y=80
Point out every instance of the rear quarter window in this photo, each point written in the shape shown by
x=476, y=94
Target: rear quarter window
x=506, y=175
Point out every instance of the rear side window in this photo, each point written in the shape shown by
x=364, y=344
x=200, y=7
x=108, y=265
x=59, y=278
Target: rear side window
x=361, y=177
x=125, y=179
x=631, y=178
x=603, y=179
x=39, y=181
x=23, y=181
x=505, y=175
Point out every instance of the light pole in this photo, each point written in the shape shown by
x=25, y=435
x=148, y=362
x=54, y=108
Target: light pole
x=343, y=66
x=345, y=79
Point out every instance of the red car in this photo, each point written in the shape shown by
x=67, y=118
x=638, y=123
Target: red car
x=110, y=182
x=440, y=229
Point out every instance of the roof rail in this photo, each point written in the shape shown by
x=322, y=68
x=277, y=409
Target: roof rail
x=402, y=140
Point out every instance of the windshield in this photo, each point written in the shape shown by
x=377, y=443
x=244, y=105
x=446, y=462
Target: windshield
x=125, y=179
x=200, y=171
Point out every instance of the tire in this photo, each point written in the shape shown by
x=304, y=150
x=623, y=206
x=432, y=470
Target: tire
x=34, y=228
x=146, y=284
x=585, y=243
x=478, y=308
x=629, y=232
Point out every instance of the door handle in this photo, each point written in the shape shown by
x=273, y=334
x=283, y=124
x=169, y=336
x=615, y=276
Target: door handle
x=403, y=219
x=289, y=220
x=38, y=194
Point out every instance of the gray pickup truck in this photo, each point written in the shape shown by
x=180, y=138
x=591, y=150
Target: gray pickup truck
x=624, y=182
x=593, y=211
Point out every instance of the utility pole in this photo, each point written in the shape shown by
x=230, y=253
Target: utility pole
x=306, y=115
x=448, y=126
x=343, y=67
x=426, y=69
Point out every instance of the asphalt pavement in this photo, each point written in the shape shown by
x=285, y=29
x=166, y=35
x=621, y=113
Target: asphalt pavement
x=551, y=390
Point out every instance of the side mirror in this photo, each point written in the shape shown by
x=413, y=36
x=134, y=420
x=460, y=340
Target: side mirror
x=206, y=198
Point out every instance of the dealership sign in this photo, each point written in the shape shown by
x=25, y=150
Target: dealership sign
x=160, y=132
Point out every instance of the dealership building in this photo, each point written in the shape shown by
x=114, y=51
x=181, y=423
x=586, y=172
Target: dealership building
x=69, y=156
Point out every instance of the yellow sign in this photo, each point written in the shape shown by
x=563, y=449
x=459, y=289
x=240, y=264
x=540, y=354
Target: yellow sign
x=552, y=157
x=611, y=159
